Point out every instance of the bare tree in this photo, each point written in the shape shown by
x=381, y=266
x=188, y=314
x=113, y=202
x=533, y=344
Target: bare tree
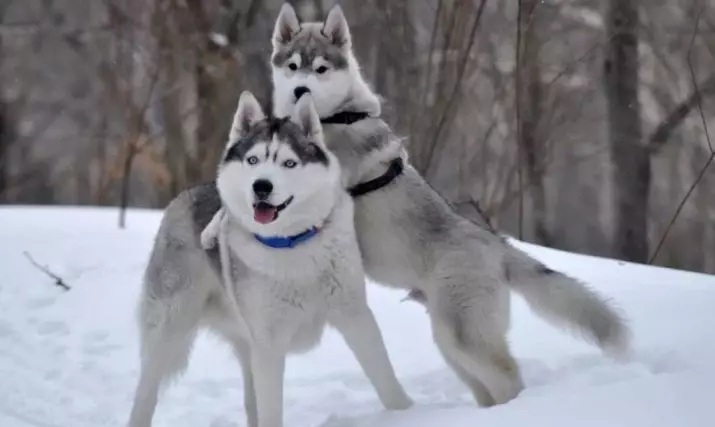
x=5, y=139
x=5, y=136
x=127, y=102
x=631, y=162
x=667, y=127
x=529, y=108
x=397, y=74
x=451, y=48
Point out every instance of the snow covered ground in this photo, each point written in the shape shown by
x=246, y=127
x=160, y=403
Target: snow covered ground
x=69, y=359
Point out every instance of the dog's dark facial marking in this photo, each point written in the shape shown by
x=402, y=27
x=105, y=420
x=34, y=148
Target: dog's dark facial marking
x=310, y=44
x=286, y=132
x=313, y=151
x=259, y=132
x=306, y=150
x=276, y=124
x=237, y=152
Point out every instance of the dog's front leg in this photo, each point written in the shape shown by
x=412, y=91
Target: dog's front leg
x=362, y=335
x=209, y=235
x=243, y=352
x=268, y=366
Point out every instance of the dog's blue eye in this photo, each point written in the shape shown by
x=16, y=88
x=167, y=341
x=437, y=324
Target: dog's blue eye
x=252, y=160
x=290, y=164
x=292, y=66
x=321, y=69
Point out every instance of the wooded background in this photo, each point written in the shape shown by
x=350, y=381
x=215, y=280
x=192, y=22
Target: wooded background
x=581, y=125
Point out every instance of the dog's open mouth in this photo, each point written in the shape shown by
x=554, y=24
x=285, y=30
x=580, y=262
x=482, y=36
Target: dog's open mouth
x=264, y=212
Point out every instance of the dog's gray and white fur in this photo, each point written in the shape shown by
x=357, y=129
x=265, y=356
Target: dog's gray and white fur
x=272, y=301
x=410, y=238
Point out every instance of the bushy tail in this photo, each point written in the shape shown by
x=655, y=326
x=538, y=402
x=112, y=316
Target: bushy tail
x=568, y=303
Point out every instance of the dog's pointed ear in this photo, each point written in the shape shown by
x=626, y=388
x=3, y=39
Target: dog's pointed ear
x=248, y=113
x=306, y=116
x=336, y=28
x=287, y=25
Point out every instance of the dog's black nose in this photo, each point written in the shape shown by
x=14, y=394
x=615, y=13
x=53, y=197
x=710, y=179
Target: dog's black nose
x=300, y=91
x=262, y=188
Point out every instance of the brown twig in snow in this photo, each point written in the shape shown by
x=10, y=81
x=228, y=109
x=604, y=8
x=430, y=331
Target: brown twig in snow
x=58, y=280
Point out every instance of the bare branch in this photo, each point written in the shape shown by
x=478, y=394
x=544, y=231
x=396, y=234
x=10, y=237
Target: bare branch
x=680, y=207
x=58, y=280
x=698, y=101
x=667, y=127
x=485, y=218
x=457, y=84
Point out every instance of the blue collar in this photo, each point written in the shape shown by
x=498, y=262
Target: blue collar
x=283, y=242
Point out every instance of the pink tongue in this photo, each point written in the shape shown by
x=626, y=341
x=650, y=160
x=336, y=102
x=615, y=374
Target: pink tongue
x=264, y=215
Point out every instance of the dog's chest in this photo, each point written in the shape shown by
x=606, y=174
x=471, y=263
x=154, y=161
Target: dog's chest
x=291, y=314
x=287, y=294
x=303, y=266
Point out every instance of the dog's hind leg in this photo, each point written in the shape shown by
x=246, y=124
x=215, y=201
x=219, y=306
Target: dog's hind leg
x=167, y=334
x=470, y=330
x=476, y=386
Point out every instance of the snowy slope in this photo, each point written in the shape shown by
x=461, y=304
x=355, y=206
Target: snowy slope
x=70, y=358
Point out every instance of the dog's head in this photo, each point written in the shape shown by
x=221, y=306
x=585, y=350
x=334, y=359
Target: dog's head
x=317, y=58
x=276, y=176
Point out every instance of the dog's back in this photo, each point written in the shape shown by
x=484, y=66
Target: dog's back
x=177, y=261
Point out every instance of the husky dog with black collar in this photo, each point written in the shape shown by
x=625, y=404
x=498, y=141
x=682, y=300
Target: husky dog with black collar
x=409, y=236
x=290, y=265
x=316, y=57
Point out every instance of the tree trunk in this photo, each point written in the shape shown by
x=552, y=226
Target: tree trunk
x=530, y=104
x=216, y=74
x=171, y=50
x=5, y=138
x=629, y=157
x=395, y=70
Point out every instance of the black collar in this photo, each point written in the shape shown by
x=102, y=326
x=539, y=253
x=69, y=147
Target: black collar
x=396, y=166
x=395, y=170
x=345, y=118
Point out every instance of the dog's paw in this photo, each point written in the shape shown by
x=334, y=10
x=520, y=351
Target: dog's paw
x=399, y=402
x=208, y=240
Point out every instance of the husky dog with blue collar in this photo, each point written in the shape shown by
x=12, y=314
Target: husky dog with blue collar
x=289, y=265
